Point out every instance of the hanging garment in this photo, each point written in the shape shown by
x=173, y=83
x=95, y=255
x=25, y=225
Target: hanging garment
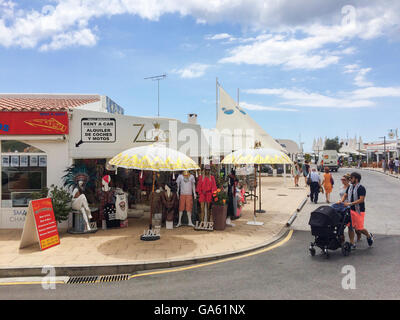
x=121, y=205
x=205, y=187
x=105, y=198
x=170, y=203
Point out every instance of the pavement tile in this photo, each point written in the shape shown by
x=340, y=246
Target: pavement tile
x=125, y=246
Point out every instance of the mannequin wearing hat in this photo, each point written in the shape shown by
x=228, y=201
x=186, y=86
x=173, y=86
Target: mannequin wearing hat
x=205, y=188
x=186, y=193
x=79, y=201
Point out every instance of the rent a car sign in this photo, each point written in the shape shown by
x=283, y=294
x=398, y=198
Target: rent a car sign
x=101, y=130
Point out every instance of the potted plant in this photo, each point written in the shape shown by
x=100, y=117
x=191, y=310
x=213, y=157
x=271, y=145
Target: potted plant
x=219, y=209
x=61, y=200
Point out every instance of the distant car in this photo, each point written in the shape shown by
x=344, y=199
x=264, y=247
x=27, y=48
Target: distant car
x=328, y=158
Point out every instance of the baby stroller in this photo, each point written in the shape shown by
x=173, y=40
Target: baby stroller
x=327, y=226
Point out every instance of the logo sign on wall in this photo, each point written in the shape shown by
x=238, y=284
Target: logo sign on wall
x=33, y=123
x=97, y=130
x=40, y=225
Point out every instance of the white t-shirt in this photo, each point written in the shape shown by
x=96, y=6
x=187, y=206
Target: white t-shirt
x=186, y=186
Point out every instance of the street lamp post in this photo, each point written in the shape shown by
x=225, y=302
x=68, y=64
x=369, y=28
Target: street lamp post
x=157, y=78
x=384, y=151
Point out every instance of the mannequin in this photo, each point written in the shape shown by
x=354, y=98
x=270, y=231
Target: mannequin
x=106, y=197
x=186, y=188
x=170, y=200
x=156, y=204
x=205, y=188
x=79, y=202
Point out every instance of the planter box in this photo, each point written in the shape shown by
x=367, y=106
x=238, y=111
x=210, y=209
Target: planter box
x=219, y=216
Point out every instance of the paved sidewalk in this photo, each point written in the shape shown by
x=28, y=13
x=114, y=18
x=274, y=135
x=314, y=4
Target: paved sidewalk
x=123, y=246
x=380, y=170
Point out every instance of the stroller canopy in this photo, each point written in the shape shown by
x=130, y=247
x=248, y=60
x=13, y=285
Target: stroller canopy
x=324, y=216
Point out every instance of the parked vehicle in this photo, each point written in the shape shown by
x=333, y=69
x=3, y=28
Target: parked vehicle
x=328, y=158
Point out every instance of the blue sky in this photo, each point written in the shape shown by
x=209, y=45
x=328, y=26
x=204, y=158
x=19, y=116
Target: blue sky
x=315, y=68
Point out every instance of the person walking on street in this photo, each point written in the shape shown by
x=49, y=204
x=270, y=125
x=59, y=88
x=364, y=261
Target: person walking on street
x=306, y=170
x=296, y=173
x=327, y=183
x=391, y=166
x=314, y=181
x=355, y=199
x=343, y=189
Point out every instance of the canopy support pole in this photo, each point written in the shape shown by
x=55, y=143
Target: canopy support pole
x=255, y=222
x=151, y=202
x=259, y=191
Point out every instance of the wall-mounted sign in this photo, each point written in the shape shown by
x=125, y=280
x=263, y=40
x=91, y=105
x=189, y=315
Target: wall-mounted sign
x=33, y=161
x=42, y=161
x=97, y=130
x=17, y=123
x=14, y=161
x=23, y=161
x=5, y=161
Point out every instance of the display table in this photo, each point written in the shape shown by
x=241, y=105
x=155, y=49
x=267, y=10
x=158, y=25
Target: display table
x=78, y=223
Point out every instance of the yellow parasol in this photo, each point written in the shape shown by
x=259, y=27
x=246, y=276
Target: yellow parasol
x=257, y=156
x=154, y=157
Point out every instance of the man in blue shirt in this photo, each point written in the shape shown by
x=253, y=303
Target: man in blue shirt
x=315, y=185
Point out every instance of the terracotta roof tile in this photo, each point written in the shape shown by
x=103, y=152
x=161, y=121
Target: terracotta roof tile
x=44, y=102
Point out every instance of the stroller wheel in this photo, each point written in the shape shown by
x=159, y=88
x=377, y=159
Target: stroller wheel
x=326, y=252
x=346, y=249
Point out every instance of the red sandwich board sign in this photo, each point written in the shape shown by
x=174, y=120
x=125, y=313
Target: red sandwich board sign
x=40, y=225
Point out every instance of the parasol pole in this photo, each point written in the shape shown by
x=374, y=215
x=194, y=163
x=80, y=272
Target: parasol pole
x=259, y=191
x=255, y=222
x=151, y=202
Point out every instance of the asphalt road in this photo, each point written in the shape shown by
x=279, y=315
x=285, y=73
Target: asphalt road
x=287, y=272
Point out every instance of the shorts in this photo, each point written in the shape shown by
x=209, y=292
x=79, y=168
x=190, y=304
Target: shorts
x=185, y=203
x=357, y=220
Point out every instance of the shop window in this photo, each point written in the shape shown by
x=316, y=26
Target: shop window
x=23, y=172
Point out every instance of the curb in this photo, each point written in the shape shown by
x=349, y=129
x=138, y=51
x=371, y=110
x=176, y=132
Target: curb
x=381, y=172
x=294, y=215
x=131, y=268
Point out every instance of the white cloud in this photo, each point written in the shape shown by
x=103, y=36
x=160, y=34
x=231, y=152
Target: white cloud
x=257, y=107
x=83, y=37
x=360, y=77
x=219, y=36
x=376, y=92
x=30, y=28
x=301, y=98
x=195, y=70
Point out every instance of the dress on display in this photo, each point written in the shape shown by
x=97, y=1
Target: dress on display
x=170, y=203
x=205, y=188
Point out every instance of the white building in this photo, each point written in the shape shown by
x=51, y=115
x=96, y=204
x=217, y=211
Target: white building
x=42, y=134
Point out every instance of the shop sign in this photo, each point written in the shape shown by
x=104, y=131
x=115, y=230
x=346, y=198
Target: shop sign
x=97, y=130
x=204, y=226
x=26, y=123
x=40, y=225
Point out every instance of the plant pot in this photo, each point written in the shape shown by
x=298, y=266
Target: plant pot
x=219, y=216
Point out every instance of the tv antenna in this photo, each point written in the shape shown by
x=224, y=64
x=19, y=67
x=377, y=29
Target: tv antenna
x=157, y=78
